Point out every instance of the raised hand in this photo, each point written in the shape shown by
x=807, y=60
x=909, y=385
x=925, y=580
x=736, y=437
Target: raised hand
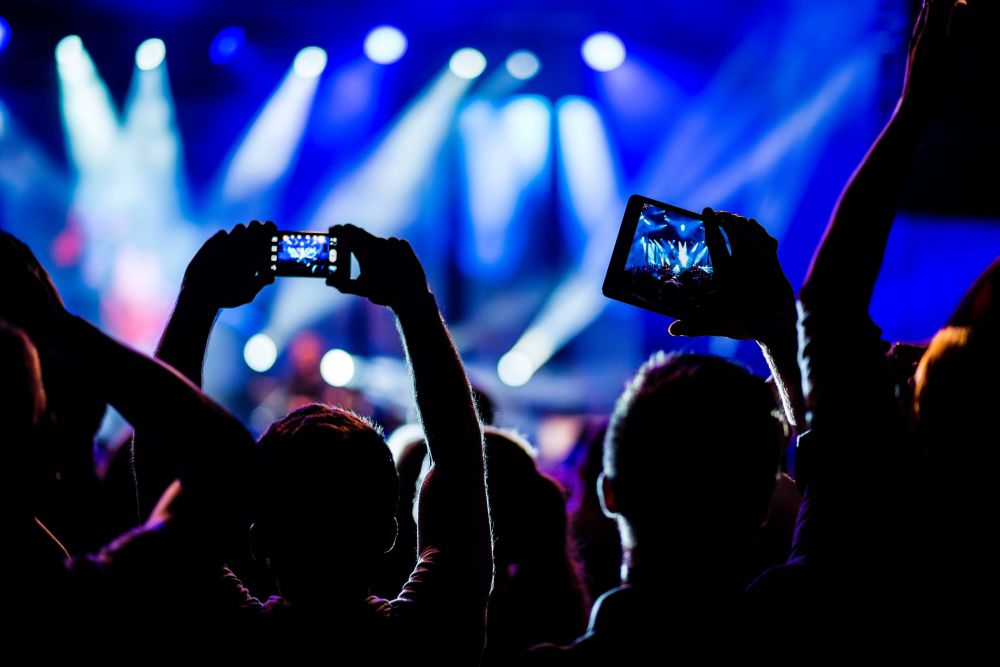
x=933, y=49
x=751, y=297
x=391, y=275
x=230, y=269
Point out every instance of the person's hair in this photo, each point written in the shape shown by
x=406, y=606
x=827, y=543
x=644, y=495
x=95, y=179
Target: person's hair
x=324, y=466
x=697, y=439
x=957, y=388
x=542, y=598
x=980, y=306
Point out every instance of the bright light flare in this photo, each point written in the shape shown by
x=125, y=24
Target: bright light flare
x=260, y=353
x=603, y=51
x=337, y=368
x=467, y=63
x=523, y=65
x=150, y=54
x=310, y=62
x=385, y=44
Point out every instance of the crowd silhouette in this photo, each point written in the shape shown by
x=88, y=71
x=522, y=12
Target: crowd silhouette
x=314, y=543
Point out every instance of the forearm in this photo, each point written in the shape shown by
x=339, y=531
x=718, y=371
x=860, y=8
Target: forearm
x=847, y=262
x=443, y=394
x=185, y=338
x=452, y=430
x=194, y=433
x=780, y=350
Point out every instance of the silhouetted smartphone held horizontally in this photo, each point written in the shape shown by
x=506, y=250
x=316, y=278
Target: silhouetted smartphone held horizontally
x=303, y=254
x=661, y=260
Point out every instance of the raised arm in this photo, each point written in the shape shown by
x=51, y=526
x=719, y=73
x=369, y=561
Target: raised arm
x=227, y=272
x=212, y=452
x=453, y=514
x=859, y=227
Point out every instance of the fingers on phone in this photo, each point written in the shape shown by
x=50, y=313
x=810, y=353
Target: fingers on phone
x=716, y=243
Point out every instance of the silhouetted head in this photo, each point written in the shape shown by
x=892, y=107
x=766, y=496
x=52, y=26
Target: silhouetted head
x=692, y=450
x=27, y=298
x=328, y=494
x=528, y=508
x=958, y=394
x=980, y=306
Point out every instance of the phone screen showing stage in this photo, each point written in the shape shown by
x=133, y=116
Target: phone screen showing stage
x=303, y=254
x=668, y=247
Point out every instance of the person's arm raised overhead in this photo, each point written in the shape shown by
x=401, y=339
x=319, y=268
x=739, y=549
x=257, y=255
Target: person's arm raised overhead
x=227, y=272
x=453, y=526
x=391, y=275
x=848, y=260
x=213, y=453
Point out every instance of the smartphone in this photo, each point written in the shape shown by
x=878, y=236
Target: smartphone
x=661, y=260
x=303, y=254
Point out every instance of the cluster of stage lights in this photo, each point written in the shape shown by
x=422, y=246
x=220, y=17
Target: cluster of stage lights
x=602, y=51
x=337, y=367
x=384, y=44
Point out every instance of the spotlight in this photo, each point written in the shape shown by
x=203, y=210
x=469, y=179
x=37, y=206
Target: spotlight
x=310, y=62
x=515, y=368
x=337, y=368
x=260, y=353
x=4, y=32
x=226, y=44
x=467, y=63
x=603, y=51
x=385, y=45
x=69, y=52
x=523, y=65
x=150, y=54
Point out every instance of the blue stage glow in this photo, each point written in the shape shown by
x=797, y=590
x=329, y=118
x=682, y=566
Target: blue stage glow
x=4, y=33
x=269, y=146
x=506, y=149
x=385, y=192
x=226, y=45
x=385, y=44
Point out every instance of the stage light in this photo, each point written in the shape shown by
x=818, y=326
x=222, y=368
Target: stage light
x=89, y=115
x=70, y=54
x=4, y=33
x=385, y=44
x=260, y=353
x=150, y=54
x=337, y=368
x=226, y=44
x=603, y=51
x=467, y=63
x=395, y=173
x=515, y=368
x=506, y=153
x=592, y=182
x=270, y=144
x=310, y=62
x=523, y=65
